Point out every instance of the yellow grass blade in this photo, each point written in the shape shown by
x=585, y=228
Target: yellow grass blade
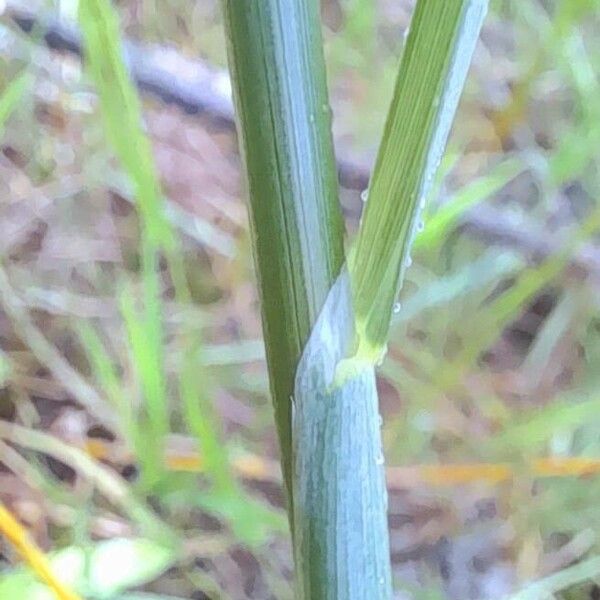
x=32, y=555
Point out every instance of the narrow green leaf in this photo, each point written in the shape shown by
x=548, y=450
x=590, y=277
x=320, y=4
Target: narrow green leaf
x=122, y=114
x=102, y=366
x=144, y=360
x=106, y=374
x=529, y=432
x=194, y=386
x=556, y=325
x=146, y=351
x=122, y=111
x=432, y=72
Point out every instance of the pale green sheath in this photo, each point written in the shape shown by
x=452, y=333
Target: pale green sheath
x=340, y=498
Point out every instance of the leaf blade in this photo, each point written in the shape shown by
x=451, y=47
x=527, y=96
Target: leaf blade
x=432, y=73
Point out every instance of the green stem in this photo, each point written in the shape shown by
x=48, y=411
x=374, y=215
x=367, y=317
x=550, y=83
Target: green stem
x=278, y=74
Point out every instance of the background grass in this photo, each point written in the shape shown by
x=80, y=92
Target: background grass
x=125, y=359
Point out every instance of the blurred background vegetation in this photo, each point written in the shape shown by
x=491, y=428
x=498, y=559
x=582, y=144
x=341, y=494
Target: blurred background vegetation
x=136, y=436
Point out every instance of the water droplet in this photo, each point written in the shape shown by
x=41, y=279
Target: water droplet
x=396, y=308
x=420, y=226
x=364, y=195
x=379, y=459
x=380, y=418
x=408, y=261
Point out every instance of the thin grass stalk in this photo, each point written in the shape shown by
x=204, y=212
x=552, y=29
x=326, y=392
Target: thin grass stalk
x=278, y=74
x=122, y=114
